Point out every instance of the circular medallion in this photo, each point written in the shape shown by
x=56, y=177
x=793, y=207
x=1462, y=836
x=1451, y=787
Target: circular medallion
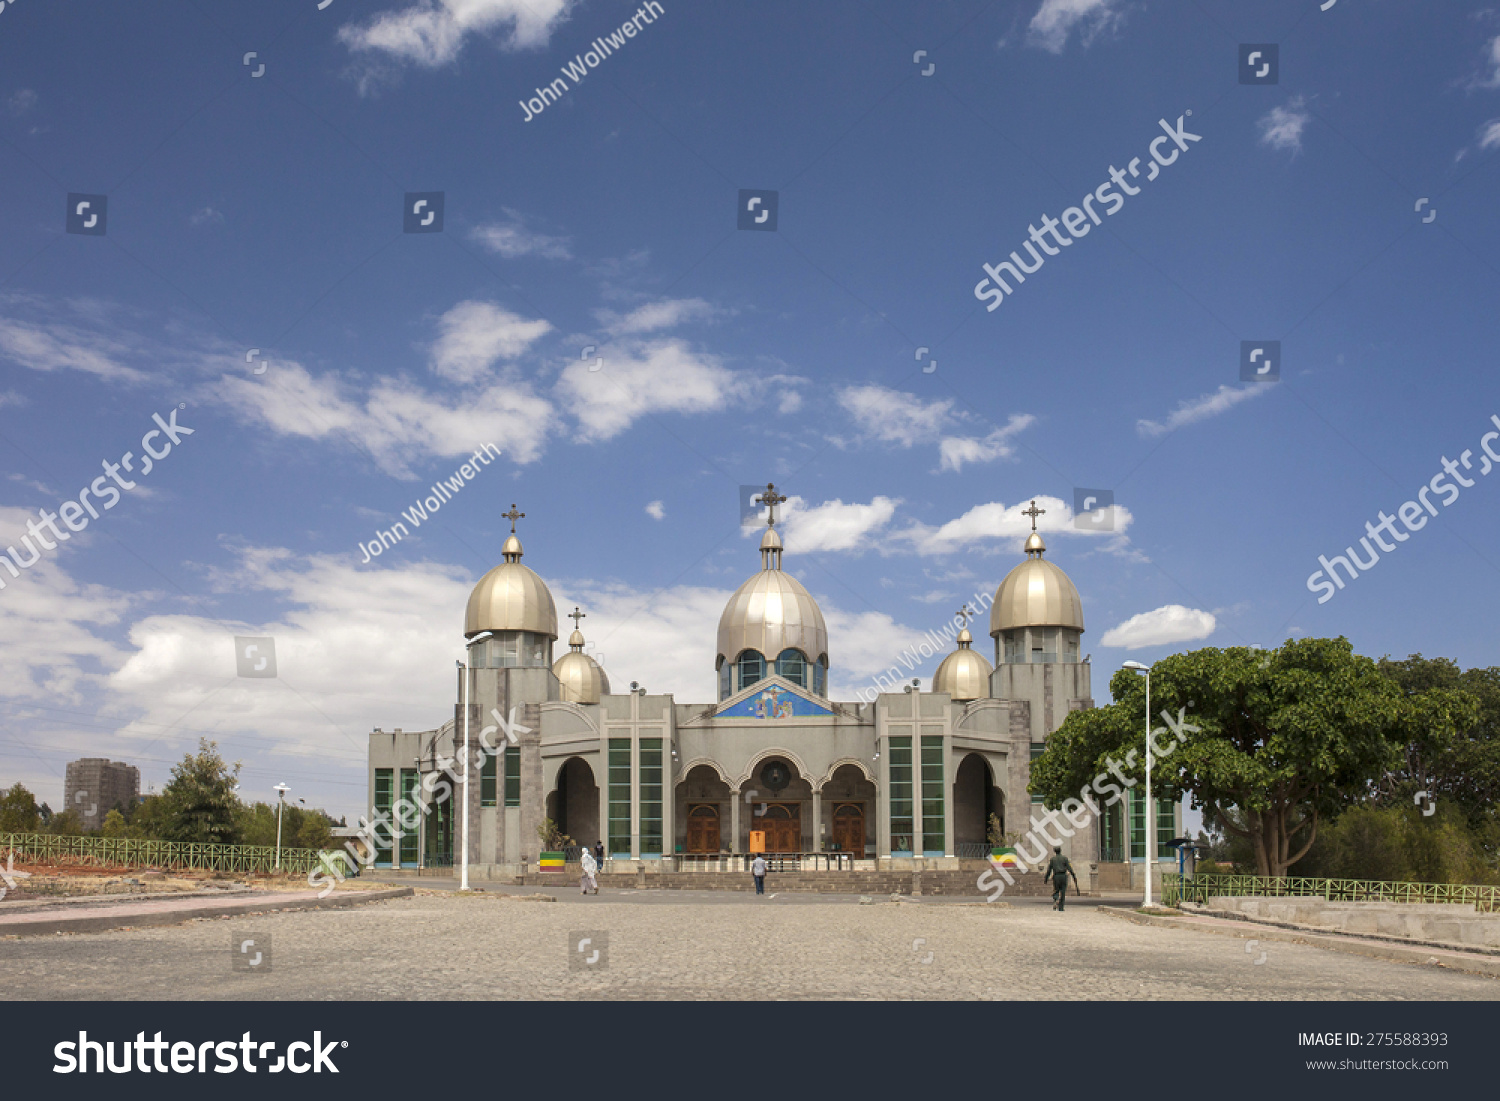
x=775, y=775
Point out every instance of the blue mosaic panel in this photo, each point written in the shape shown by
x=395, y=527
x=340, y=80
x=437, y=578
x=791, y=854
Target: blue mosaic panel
x=774, y=701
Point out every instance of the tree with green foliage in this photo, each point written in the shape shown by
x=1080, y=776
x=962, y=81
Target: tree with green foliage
x=199, y=800
x=1268, y=742
x=1460, y=767
x=67, y=823
x=18, y=811
x=114, y=825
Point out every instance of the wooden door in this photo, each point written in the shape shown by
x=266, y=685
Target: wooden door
x=783, y=825
x=849, y=828
x=703, y=829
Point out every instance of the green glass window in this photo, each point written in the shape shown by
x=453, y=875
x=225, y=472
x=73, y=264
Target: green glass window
x=1112, y=842
x=619, y=798
x=1137, y=826
x=793, y=666
x=901, y=796
x=932, y=795
x=1037, y=749
x=1166, y=819
x=384, y=788
x=512, y=776
x=650, y=780
x=752, y=667
x=487, y=781
x=410, y=782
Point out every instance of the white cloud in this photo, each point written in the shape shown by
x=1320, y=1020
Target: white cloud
x=1489, y=134
x=21, y=101
x=986, y=523
x=1055, y=20
x=1281, y=127
x=958, y=450
x=663, y=376
x=59, y=346
x=397, y=422
x=1491, y=78
x=788, y=403
x=1167, y=624
x=474, y=335
x=513, y=238
x=206, y=216
x=667, y=313
x=1201, y=408
x=433, y=32
x=833, y=525
x=893, y=416
x=656, y=510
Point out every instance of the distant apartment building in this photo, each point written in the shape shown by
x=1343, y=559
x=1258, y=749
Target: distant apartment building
x=93, y=786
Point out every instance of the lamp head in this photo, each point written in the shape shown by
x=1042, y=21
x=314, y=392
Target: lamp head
x=1137, y=666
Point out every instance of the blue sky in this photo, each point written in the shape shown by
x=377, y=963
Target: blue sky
x=265, y=213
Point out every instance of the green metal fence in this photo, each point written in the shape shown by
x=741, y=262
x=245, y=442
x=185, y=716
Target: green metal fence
x=157, y=854
x=1199, y=888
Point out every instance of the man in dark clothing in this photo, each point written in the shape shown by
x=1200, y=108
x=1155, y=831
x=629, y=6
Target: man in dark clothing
x=1058, y=870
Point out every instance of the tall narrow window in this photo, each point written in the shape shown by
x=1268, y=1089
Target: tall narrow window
x=650, y=781
x=487, y=781
x=901, y=797
x=1137, y=827
x=1166, y=820
x=820, y=678
x=384, y=783
x=512, y=776
x=726, y=679
x=619, y=798
x=932, y=795
x=410, y=781
x=1037, y=749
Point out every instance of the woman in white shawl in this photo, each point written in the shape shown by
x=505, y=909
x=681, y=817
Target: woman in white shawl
x=590, y=867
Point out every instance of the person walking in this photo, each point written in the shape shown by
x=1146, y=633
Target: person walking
x=758, y=870
x=590, y=868
x=1058, y=870
x=599, y=854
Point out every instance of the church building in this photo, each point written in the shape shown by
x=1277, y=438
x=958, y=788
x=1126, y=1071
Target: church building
x=773, y=764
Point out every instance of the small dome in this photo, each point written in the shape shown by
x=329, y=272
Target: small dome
x=1036, y=594
x=964, y=674
x=511, y=597
x=579, y=676
x=575, y=640
x=770, y=540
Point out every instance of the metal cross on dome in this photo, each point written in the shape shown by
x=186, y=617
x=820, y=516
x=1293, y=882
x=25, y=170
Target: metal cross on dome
x=512, y=516
x=575, y=615
x=1033, y=512
x=770, y=498
x=965, y=615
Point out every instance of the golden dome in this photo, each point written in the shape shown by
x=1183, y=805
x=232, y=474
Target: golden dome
x=511, y=598
x=964, y=675
x=1036, y=594
x=772, y=612
x=581, y=678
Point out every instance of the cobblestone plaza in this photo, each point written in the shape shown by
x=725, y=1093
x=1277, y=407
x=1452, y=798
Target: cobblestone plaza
x=703, y=946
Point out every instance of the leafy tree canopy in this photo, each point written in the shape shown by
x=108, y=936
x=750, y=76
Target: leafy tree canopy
x=1285, y=738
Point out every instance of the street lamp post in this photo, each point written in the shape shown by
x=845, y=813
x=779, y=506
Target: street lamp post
x=463, y=881
x=1150, y=808
x=281, y=790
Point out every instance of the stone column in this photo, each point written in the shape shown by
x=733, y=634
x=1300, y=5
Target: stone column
x=533, y=795
x=817, y=822
x=734, y=820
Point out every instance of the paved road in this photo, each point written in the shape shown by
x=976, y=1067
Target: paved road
x=668, y=945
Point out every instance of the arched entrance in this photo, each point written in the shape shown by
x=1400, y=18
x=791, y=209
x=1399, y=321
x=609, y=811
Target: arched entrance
x=975, y=798
x=574, y=803
x=702, y=809
x=778, y=799
x=848, y=802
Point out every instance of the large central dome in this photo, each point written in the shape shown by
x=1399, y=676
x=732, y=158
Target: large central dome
x=772, y=612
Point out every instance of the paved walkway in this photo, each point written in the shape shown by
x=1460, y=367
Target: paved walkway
x=490, y=946
x=33, y=918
